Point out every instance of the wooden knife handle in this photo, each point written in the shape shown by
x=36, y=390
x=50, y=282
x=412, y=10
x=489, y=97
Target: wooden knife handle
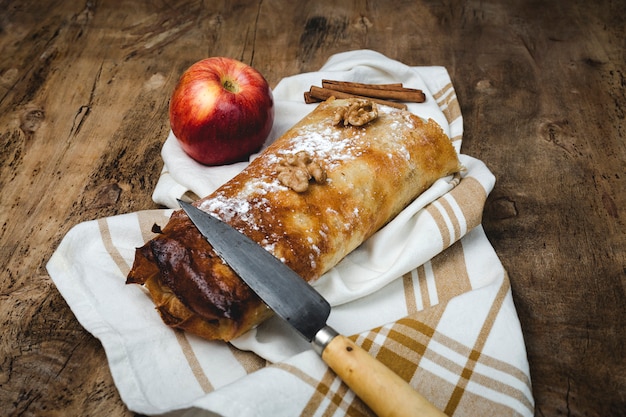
x=378, y=386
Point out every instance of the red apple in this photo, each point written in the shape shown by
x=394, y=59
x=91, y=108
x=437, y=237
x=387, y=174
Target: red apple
x=221, y=111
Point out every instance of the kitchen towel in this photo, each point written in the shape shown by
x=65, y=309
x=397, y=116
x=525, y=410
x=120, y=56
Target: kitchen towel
x=426, y=295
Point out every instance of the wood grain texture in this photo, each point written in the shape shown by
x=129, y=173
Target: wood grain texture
x=84, y=88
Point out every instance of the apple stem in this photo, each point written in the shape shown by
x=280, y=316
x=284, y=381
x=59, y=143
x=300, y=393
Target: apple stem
x=230, y=86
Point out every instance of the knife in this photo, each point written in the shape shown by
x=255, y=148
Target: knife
x=298, y=303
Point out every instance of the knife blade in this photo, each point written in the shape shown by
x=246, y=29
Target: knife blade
x=298, y=303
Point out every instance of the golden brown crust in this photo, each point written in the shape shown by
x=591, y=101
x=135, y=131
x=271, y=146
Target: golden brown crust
x=371, y=173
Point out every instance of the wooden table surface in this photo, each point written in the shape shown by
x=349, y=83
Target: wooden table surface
x=84, y=90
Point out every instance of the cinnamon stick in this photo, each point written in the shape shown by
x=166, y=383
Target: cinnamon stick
x=331, y=83
x=380, y=91
x=316, y=94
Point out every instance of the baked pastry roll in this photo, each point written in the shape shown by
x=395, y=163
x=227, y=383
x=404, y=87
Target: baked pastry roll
x=310, y=198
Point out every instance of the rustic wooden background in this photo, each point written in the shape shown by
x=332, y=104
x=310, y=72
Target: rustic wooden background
x=84, y=88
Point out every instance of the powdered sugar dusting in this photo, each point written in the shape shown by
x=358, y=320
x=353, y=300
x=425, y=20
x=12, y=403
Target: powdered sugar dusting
x=328, y=145
x=245, y=203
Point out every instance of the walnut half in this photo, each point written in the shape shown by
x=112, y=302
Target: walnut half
x=295, y=171
x=357, y=113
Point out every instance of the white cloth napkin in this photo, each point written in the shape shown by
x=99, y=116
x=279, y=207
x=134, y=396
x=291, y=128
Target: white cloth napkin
x=426, y=295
